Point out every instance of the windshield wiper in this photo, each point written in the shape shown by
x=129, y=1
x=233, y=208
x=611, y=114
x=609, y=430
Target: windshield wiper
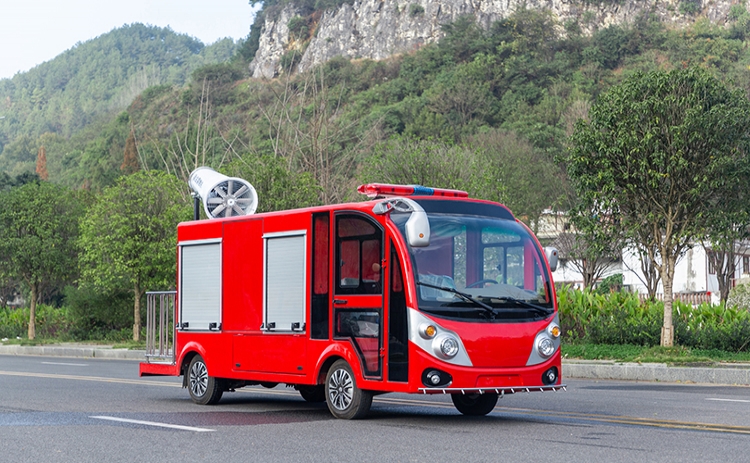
x=464, y=296
x=537, y=308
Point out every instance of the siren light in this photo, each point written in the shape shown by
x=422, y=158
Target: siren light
x=374, y=190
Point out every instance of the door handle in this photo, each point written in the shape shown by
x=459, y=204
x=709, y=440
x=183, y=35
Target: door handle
x=340, y=301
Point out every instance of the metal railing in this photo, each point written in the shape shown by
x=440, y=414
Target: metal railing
x=688, y=298
x=160, y=326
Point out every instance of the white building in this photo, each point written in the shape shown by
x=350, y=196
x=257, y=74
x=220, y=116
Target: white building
x=693, y=273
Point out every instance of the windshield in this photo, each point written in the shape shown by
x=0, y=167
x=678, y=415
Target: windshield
x=480, y=267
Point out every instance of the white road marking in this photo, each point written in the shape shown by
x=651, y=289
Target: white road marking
x=90, y=378
x=729, y=400
x=66, y=364
x=153, y=423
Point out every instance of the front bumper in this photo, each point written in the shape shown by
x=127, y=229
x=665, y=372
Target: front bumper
x=497, y=390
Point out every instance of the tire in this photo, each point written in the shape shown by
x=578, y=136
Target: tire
x=474, y=404
x=313, y=394
x=345, y=400
x=204, y=389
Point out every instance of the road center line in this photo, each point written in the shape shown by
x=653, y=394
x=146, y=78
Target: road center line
x=728, y=400
x=153, y=423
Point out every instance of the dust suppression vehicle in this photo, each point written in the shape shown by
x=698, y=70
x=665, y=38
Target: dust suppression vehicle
x=417, y=290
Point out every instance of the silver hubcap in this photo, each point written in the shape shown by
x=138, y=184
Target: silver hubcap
x=198, y=379
x=340, y=388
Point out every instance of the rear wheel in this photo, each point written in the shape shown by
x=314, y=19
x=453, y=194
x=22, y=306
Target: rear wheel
x=345, y=400
x=315, y=394
x=204, y=389
x=474, y=404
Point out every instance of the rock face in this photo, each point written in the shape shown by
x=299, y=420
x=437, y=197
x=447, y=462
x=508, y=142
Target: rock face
x=377, y=29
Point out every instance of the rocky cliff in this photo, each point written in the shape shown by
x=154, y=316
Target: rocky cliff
x=377, y=29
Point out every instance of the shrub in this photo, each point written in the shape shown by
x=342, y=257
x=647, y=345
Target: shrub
x=13, y=322
x=621, y=318
x=415, y=9
x=51, y=322
x=96, y=313
x=740, y=296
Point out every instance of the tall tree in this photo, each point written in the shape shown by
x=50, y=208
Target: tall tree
x=128, y=237
x=38, y=231
x=661, y=149
x=41, y=164
x=130, y=164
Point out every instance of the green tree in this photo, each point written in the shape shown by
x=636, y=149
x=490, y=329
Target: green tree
x=38, y=231
x=128, y=236
x=514, y=172
x=658, y=155
x=433, y=163
x=278, y=188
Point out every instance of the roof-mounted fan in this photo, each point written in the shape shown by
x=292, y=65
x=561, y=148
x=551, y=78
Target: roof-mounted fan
x=223, y=196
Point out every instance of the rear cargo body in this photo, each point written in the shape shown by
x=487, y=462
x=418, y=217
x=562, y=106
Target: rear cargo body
x=425, y=294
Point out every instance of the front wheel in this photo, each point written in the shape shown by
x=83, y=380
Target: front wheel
x=345, y=400
x=204, y=389
x=474, y=404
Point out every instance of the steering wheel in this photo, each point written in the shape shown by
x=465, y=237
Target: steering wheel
x=481, y=283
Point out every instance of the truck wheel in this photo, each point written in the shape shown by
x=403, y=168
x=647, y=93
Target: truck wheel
x=474, y=404
x=204, y=389
x=345, y=400
x=313, y=394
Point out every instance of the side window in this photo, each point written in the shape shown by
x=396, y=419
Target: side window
x=359, y=251
x=320, y=289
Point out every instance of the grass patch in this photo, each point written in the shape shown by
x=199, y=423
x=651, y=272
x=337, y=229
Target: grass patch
x=132, y=345
x=677, y=355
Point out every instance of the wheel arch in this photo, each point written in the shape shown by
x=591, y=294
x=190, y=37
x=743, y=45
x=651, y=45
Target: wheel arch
x=188, y=353
x=330, y=355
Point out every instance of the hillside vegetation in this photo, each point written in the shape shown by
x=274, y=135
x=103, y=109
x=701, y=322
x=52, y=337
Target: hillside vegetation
x=91, y=82
x=488, y=111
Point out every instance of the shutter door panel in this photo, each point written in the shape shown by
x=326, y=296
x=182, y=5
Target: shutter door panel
x=200, y=286
x=285, y=282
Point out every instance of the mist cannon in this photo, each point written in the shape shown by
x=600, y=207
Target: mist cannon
x=223, y=196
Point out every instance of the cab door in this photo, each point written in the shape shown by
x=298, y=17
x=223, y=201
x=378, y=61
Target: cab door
x=358, y=288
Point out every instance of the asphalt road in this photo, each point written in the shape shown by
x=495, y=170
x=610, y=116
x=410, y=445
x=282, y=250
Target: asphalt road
x=89, y=410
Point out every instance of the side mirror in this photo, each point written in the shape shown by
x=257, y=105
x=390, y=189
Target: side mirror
x=418, y=229
x=417, y=225
x=552, y=258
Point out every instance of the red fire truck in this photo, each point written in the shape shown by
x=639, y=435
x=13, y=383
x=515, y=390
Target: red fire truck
x=418, y=290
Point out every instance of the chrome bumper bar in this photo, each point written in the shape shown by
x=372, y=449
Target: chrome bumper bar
x=501, y=391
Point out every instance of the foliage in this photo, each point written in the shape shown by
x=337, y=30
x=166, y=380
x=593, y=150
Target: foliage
x=38, y=230
x=415, y=9
x=636, y=160
x=495, y=165
x=93, y=80
x=611, y=284
x=95, y=312
x=278, y=188
x=128, y=237
x=674, y=355
x=499, y=103
x=622, y=318
x=740, y=297
x=51, y=322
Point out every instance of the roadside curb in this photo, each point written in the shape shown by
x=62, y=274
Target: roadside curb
x=729, y=374
x=103, y=352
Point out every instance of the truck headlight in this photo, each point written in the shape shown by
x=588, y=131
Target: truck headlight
x=545, y=346
x=446, y=347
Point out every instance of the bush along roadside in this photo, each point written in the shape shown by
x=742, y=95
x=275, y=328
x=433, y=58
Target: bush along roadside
x=621, y=318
